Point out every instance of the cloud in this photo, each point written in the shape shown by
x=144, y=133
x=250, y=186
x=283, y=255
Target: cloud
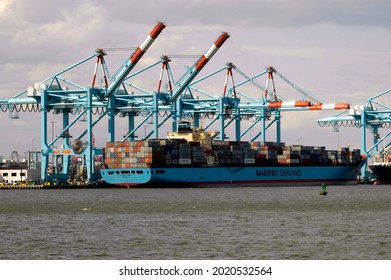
x=308, y=53
x=36, y=32
x=72, y=27
x=255, y=13
x=4, y=4
x=336, y=49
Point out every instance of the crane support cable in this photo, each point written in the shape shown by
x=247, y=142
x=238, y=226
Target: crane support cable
x=298, y=88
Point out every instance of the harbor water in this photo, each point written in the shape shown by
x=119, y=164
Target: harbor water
x=351, y=222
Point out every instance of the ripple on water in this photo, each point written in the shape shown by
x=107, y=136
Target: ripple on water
x=352, y=222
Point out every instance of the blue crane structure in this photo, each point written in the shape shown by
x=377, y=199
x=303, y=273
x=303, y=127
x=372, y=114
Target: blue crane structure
x=179, y=100
x=370, y=116
x=62, y=96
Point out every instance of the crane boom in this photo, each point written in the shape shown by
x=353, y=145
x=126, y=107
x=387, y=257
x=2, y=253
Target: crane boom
x=136, y=56
x=288, y=104
x=330, y=106
x=202, y=61
x=275, y=104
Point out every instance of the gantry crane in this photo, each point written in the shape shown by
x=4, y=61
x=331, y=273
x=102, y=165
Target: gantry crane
x=369, y=116
x=60, y=95
x=171, y=100
x=228, y=105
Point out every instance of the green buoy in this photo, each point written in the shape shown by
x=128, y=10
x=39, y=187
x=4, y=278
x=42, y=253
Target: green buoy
x=323, y=191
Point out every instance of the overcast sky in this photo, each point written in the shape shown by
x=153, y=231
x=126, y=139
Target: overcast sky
x=338, y=50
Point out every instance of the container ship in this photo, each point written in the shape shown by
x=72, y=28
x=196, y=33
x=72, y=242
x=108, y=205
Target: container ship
x=381, y=167
x=190, y=158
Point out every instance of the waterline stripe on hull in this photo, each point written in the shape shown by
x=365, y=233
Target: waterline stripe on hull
x=243, y=183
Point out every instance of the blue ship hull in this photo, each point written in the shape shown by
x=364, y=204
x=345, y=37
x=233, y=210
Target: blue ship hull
x=232, y=176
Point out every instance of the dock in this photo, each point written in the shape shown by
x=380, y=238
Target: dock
x=23, y=186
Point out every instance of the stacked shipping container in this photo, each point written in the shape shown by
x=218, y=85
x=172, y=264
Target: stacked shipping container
x=134, y=154
x=179, y=152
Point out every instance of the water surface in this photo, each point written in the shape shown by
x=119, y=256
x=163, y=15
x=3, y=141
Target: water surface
x=351, y=222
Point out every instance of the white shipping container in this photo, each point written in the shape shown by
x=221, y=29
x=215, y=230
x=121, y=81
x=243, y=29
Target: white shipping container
x=249, y=160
